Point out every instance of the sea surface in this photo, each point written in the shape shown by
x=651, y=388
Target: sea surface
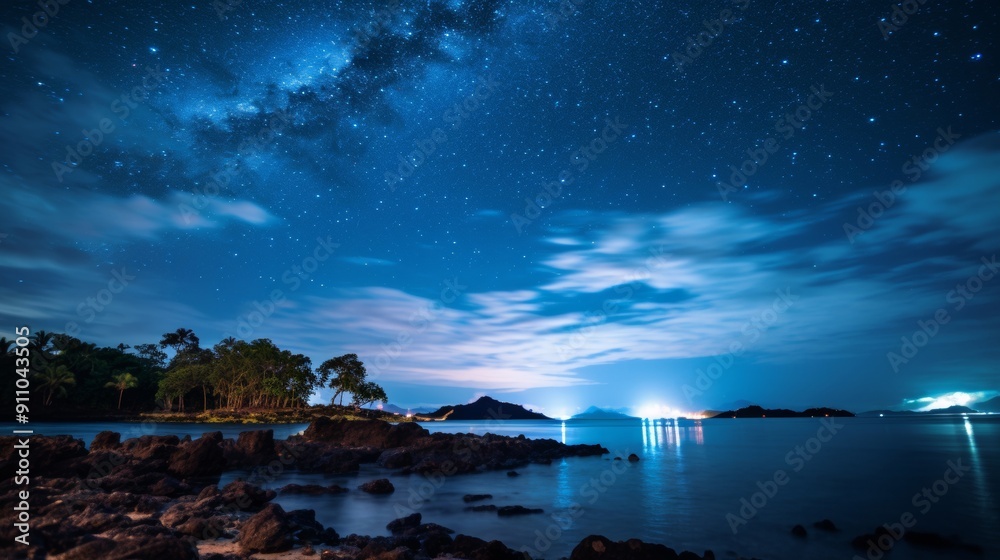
x=858, y=472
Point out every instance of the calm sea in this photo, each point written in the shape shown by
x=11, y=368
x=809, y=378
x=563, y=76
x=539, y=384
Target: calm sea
x=689, y=487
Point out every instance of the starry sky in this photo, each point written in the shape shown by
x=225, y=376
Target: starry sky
x=654, y=205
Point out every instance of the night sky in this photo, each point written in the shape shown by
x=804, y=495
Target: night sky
x=542, y=201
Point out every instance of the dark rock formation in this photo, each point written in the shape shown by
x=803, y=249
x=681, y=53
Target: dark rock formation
x=476, y=497
x=507, y=511
x=487, y=408
x=266, y=531
x=380, y=486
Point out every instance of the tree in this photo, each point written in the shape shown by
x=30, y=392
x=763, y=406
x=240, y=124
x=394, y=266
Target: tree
x=5, y=345
x=152, y=353
x=121, y=382
x=346, y=373
x=181, y=339
x=41, y=341
x=367, y=393
x=53, y=382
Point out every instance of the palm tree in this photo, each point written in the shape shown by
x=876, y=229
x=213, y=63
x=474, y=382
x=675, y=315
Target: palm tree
x=122, y=381
x=180, y=338
x=42, y=339
x=5, y=345
x=54, y=381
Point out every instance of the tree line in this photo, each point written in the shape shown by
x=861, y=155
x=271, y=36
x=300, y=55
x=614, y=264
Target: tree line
x=232, y=375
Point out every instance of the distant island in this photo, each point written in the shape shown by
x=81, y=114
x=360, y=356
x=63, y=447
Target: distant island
x=485, y=408
x=595, y=413
x=957, y=409
x=760, y=412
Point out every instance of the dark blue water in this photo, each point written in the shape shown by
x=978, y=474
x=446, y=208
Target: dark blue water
x=689, y=479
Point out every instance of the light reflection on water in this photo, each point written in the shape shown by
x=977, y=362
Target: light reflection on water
x=691, y=474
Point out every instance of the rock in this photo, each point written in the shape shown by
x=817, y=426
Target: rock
x=826, y=525
x=362, y=433
x=306, y=529
x=160, y=546
x=254, y=448
x=513, y=473
x=476, y=497
x=472, y=548
x=799, y=531
x=871, y=540
x=939, y=542
x=106, y=440
x=201, y=458
x=245, y=495
x=633, y=458
x=484, y=507
x=399, y=525
x=507, y=511
x=266, y=531
x=380, y=486
x=395, y=459
x=596, y=547
x=311, y=489
x=51, y=456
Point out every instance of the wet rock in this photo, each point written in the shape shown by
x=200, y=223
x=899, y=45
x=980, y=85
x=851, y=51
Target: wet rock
x=106, y=440
x=246, y=496
x=476, y=497
x=633, y=458
x=266, y=531
x=201, y=458
x=484, y=507
x=507, y=511
x=799, y=531
x=513, y=473
x=395, y=458
x=311, y=489
x=939, y=542
x=159, y=546
x=403, y=523
x=596, y=547
x=253, y=448
x=380, y=486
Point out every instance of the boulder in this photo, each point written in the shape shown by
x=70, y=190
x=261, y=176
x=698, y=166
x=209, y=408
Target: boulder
x=507, y=511
x=826, y=525
x=799, y=531
x=403, y=523
x=254, y=448
x=200, y=458
x=380, y=486
x=266, y=531
x=106, y=440
x=596, y=547
x=476, y=497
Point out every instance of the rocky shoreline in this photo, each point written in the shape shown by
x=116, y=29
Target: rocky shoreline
x=158, y=496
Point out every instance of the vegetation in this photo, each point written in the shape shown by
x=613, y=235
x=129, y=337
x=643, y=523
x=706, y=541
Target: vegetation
x=231, y=378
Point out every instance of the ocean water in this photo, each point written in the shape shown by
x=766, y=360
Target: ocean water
x=858, y=472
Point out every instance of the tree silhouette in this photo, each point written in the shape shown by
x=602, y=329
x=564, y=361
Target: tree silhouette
x=121, y=382
x=181, y=339
x=346, y=374
x=54, y=380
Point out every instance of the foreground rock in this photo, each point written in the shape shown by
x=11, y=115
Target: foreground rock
x=596, y=547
